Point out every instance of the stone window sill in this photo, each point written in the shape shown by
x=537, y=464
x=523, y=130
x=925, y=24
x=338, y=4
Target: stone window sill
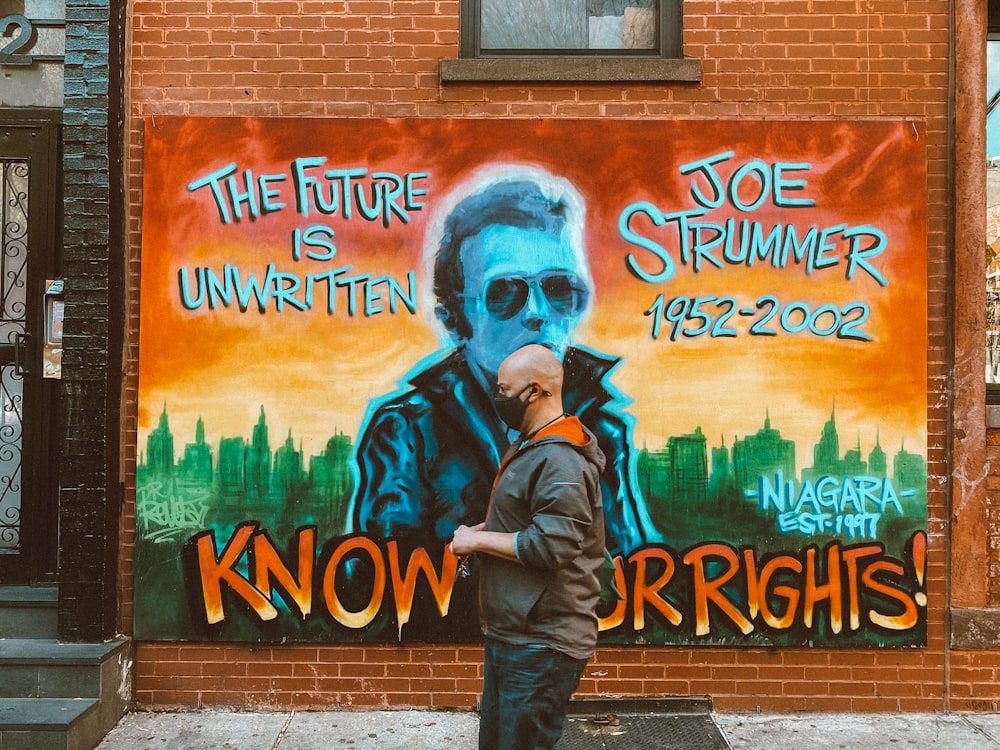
x=570, y=69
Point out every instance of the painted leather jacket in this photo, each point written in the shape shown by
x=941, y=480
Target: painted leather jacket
x=427, y=458
x=548, y=492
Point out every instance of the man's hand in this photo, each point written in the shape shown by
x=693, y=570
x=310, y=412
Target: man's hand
x=465, y=542
x=471, y=539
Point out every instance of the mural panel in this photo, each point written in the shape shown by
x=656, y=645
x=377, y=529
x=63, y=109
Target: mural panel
x=741, y=312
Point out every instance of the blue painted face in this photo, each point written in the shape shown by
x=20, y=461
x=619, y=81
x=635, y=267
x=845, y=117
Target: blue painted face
x=521, y=287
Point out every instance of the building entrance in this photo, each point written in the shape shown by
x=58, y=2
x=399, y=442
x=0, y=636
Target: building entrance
x=30, y=346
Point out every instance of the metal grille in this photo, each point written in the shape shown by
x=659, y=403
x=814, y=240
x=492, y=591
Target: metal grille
x=644, y=732
x=13, y=306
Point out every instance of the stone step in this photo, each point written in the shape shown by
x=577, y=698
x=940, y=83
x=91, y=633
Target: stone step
x=55, y=696
x=642, y=705
x=28, y=611
x=40, y=668
x=49, y=724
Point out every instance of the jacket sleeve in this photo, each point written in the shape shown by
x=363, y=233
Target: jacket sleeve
x=560, y=498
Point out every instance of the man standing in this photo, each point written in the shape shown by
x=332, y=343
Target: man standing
x=540, y=551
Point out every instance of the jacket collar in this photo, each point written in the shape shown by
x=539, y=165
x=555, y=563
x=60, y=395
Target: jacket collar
x=583, y=384
x=459, y=396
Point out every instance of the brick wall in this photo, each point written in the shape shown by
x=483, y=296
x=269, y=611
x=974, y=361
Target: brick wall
x=92, y=265
x=171, y=675
x=973, y=681
x=379, y=58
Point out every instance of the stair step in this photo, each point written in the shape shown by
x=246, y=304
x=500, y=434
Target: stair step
x=49, y=669
x=49, y=723
x=28, y=611
x=28, y=595
x=53, y=695
x=44, y=650
x=41, y=713
x=643, y=705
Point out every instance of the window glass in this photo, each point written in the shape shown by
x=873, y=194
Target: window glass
x=993, y=212
x=569, y=25
x=993, y=107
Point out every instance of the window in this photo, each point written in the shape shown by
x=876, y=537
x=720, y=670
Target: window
x=570, y=40
x=497, y=28
x=993, y=218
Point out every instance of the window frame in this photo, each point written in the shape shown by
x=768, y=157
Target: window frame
x=992, y=36
x=669, y=26
x=664, y=65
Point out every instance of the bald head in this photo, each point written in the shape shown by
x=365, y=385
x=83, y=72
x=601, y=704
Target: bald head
x=534, y=364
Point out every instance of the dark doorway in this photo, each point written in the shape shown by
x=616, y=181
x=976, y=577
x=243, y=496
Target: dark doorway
x=30, y=345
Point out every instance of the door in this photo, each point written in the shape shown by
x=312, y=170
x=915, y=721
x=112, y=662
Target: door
x=28, y=220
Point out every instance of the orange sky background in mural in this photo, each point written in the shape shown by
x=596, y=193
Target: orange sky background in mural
x=315, y=373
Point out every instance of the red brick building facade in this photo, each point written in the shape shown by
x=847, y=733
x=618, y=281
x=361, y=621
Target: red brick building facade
x=785, y=61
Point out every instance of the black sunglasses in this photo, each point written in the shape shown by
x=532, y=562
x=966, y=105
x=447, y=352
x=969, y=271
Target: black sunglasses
x=506, y=296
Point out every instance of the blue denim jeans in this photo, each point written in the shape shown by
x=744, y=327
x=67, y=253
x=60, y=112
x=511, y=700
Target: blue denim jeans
x=526, y=691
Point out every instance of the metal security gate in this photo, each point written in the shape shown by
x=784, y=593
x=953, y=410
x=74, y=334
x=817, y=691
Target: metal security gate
x=30, y=327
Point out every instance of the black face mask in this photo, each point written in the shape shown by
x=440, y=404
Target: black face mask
x=511, y=408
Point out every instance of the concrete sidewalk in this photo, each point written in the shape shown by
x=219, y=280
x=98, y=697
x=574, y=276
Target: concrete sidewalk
x=416, y=730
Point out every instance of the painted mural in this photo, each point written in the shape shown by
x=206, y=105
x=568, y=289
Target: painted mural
x=740, y=308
